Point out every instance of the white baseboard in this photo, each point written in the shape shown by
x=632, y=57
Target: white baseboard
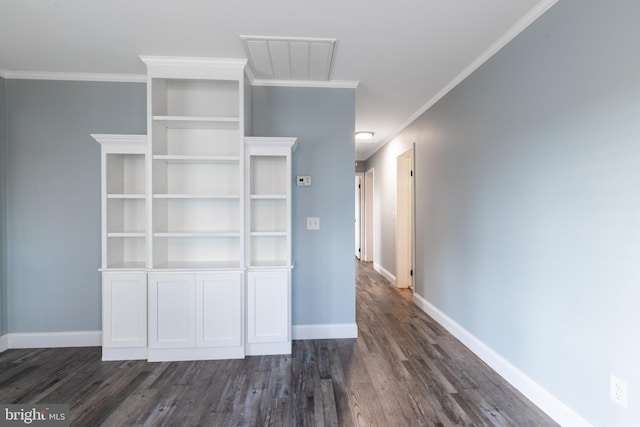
x=326, y=331
x=547, y=402
x=380, y=269
x=4, y=342
x=55, y=339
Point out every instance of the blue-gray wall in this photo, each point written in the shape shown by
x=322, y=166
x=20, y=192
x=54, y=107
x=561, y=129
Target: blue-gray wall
x=323, y=120
x=3, y=208
x=528, y=208
x=53, y=171
x=54, y=204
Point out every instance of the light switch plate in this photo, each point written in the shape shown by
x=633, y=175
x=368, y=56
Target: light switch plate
x=313, y=223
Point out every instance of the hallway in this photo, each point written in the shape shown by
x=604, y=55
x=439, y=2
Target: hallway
x=403, y=370
x=416, y=373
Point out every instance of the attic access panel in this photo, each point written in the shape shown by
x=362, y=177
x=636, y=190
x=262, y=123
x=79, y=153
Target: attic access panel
x=286, y=58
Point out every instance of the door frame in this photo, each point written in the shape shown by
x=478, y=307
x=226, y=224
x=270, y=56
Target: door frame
x=405, y=219
x=369, y=186
x=359, y=198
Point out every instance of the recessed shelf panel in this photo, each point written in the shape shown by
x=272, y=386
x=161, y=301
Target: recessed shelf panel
x=196, y=159
x=126, y=250
x=268, y=175
x=196, y=178
x=126, y=196
x=194, y=97
x=126, y=215
x=196, y=250
x=268, y=250
x=222, y=140
x=197, y=122
x=198, y=265
x=124, y=234
x=198, y=234
x=188, y=215
x=268, y=214
x=125, y=174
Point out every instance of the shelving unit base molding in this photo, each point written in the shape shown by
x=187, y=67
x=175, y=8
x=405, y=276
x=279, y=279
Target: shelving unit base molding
x=188, y=354
x=115, y=354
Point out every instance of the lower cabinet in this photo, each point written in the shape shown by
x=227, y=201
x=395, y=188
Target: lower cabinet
x=268, y=312
x=166, y=316
x=195, y=316
x=124, y=315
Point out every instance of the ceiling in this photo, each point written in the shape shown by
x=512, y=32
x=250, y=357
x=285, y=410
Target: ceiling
x=402, y=54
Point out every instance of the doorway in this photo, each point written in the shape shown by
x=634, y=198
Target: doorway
x=404, y=220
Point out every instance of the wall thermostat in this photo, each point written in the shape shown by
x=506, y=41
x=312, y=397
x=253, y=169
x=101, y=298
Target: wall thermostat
x=303, y=181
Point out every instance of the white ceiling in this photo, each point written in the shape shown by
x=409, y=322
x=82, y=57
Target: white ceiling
x=403, y=53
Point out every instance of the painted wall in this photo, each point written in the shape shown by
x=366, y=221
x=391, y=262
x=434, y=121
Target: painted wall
x=3, y=208
x=528, y=206
x=323, y=120
x=54, y=204
x=54, y=197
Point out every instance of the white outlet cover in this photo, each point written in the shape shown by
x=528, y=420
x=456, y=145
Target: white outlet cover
x=619, y=391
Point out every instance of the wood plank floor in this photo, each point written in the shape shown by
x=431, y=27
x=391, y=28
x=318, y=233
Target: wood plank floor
x=403, y=370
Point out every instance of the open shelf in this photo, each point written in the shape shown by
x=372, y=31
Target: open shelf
x=195, y=98
x=126, y=250
x=198, y=178
x=196, y=141
x=268, y=176
x=201, y=249
x=268, y=249
x=125, y=174
x=125, y=215
x=174, y=158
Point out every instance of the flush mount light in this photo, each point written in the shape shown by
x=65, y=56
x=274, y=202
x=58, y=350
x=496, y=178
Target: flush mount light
x=364, y=135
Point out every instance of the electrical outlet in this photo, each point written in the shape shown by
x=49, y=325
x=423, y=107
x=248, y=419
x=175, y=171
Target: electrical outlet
x=619, y=391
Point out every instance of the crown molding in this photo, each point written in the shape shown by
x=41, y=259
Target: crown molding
x=501, y=42
x=328, y=84
x=80, y=77
x=198, y=61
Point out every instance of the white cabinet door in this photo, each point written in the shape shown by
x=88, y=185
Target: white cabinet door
x=172, y=314
x=268, y=306
x=219, y=309
x=124, y=310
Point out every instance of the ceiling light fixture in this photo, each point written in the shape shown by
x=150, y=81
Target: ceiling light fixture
x=364, y=135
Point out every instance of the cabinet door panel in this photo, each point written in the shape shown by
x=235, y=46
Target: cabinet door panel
x=124, y=297
x=268, y=306
x=219, y=310
x=172, y=310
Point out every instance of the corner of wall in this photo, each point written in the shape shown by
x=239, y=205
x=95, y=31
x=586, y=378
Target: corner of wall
x=3, y=214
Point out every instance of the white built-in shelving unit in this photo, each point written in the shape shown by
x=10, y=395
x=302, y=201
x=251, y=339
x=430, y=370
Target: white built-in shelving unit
x=197, y=219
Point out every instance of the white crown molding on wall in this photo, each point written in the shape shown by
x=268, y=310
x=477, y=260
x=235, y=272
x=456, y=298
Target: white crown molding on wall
x=142, y=78
x=544, y=400
x=511, y=33
x=78, y=77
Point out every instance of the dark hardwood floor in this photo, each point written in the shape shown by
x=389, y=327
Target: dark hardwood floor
x=403, y=370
